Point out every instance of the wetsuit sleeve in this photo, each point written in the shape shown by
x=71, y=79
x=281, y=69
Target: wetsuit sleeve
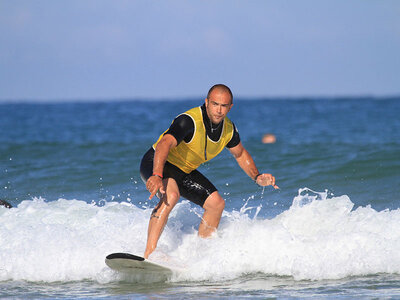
x=235, y=140
x=182, y=128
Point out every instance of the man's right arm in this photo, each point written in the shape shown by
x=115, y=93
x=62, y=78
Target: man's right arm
x=160, y=156
x=154, y=183
x=182, y=128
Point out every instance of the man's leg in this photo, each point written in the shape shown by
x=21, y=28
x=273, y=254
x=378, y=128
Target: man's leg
x=213, y=208
x=159, y=216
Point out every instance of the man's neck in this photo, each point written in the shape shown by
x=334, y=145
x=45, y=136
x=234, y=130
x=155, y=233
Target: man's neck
x=213, y=130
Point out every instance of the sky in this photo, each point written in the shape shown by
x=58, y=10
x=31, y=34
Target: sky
x=120, y=49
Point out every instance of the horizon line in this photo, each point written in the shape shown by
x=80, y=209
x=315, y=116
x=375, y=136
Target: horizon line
x=190, y=98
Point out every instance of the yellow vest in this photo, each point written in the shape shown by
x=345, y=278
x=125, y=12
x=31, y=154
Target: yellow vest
x=189, y=156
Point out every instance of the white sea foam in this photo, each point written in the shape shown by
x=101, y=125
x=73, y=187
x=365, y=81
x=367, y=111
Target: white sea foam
x=319, y=237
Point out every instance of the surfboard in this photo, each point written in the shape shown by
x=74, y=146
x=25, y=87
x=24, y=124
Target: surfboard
x=133, y=264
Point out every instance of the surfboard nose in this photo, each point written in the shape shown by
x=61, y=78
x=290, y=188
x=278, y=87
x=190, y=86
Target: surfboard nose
x=124, y=256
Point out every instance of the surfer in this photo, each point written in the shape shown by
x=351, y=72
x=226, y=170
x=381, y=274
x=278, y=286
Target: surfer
x=268, y=138
x=5, y=203
x=169, y=167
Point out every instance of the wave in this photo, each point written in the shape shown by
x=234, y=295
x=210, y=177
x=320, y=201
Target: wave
x=319, y=237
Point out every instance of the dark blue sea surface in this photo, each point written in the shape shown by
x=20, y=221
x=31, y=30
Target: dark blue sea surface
x=71, y=170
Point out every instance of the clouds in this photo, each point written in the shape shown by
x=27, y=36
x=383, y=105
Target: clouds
x=152, y=49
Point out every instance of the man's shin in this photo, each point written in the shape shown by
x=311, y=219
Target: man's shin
x=157, y=223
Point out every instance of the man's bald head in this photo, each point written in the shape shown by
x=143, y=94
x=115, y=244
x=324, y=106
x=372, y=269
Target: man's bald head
x=220, y=88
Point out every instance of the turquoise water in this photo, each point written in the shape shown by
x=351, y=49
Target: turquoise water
x=71, y=172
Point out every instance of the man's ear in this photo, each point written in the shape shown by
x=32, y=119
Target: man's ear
x=206, y=102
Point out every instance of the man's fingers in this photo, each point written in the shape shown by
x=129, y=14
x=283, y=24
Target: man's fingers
x=273, y=183
x=152, y=195
x=153, y=187
x=154, y=190
x=268, y=179
x=162, y=190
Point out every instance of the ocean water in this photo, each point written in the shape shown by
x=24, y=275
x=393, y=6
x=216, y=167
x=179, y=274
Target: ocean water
x=70, y=170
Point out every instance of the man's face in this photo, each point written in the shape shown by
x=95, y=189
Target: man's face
x=218, y=105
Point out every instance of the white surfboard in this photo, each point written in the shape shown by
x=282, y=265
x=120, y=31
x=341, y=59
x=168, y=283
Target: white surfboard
x=133, y=264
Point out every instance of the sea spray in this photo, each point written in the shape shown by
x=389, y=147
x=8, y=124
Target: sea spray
x=66, y=240
x=319, y=237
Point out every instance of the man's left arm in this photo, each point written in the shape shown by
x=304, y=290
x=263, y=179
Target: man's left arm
x=246, y=162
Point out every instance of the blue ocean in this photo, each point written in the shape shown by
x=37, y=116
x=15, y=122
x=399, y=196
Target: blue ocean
x=71, y=172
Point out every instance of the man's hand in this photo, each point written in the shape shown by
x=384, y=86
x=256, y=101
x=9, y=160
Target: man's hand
x=153, y=184
x=266, y=179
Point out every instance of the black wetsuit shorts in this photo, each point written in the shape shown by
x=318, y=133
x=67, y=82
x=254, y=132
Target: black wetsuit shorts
x=193, y=186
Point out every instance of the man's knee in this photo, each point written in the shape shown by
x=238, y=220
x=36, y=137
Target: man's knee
x=172, y=191
x=214, y=202
x=172, y=194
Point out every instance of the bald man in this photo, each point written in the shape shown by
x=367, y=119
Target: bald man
x=169, y=167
